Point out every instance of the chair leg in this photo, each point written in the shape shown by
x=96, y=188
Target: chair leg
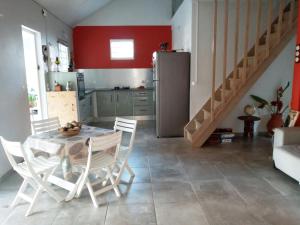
x=38, y=191
x=81, y=184
x=130, y=171
x=91, y=191
x=47, y=188
x=113, y=182
x=21, y=189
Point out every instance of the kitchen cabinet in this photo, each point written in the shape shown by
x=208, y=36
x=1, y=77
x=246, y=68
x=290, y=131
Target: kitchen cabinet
x=124, y=105
x=143, y=103
x=85, y=108
x=130, y=103
x=106, y=103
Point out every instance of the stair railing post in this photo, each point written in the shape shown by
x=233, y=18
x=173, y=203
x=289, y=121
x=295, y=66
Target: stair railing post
x=292, y=10
x=280, y=18
x=258, y=19
x=236, y=44
x=269, y=27
x=225, y=50
x=214, y=51
x=246, y=39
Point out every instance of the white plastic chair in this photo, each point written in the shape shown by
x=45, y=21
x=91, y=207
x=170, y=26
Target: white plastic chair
x=35, y=172
x=46, y=125
x=102, y=156
x=126, y=126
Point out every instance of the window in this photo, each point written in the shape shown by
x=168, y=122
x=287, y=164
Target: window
x=121, y=49
x=63, y=54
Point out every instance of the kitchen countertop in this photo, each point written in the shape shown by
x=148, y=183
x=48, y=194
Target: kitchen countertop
x=89, y=91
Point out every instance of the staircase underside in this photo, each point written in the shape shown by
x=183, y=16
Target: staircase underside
x=198, y=130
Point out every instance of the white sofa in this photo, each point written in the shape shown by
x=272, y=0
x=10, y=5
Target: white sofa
x=286, y=151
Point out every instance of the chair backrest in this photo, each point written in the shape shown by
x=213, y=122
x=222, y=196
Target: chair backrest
x=15, y=149
x=128, y=126
x=46, y=125
x=103, y=143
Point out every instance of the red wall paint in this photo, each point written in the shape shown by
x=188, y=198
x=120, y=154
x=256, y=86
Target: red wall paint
x=295, y=104
x=92, y=50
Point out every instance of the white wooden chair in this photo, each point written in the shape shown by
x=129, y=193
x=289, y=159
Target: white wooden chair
x=46, y=125
x=35, y=172
x=102, y=156
x=126, y=126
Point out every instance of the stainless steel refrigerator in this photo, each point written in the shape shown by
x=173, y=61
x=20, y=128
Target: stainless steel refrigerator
x=171, y=80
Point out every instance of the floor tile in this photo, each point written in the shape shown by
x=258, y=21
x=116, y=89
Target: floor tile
x=234, y=213
x=17, y=216
x=228, y=184
x=216, y=190
x=142, y=175
x=133, y=214
x=171, y=192
x=278, y=210
x=234, y=169
x=83, y=214
x=252, y=188
x=168, y=173
x=12, y=182
x=284, y=184
x=190, y=213
x=200, y=170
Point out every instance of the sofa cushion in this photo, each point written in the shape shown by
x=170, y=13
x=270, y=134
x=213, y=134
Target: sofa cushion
x=293, y=150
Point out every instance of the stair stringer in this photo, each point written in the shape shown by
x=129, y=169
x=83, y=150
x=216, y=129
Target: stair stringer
x=199, y=138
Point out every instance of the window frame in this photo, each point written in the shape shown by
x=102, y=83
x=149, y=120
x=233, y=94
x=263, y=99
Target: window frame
x=61, y=68
x=121, y=58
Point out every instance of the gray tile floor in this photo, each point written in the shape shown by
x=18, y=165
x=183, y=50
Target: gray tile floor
x=230, y=184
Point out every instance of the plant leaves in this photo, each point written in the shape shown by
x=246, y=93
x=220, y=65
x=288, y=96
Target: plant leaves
x=260, y=100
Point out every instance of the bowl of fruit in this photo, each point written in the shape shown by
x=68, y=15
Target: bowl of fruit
x=71, y=129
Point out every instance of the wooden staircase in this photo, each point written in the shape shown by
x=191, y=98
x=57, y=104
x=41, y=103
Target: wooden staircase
x=246, y=72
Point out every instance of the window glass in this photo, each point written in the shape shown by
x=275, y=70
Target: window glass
x=121, y=49
x=63, y=54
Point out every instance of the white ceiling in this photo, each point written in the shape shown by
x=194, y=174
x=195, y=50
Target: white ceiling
x=72, y=11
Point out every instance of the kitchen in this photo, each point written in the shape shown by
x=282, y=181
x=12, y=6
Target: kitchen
x=115, y=69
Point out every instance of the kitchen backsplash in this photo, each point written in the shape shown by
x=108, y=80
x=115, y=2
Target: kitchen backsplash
x=104, y=78
x=109, y=78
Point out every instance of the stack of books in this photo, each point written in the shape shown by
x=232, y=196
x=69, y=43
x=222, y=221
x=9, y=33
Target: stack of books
x=221, y=135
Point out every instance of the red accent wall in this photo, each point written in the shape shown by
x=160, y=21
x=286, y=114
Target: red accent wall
x=92, y=45
x=295, y=104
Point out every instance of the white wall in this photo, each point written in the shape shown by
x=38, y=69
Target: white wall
x=201, y=74
x=182, y=27
x=132, y=12
x=14, y=110
x=278, y=74
x=122, y=13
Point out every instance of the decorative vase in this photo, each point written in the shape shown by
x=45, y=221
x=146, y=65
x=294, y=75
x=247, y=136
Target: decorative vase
x=275, y=122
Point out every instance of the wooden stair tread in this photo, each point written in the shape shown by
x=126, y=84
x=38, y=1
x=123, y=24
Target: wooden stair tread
x=198, y=130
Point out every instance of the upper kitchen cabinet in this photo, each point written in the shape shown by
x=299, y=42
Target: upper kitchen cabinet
x=124, y=105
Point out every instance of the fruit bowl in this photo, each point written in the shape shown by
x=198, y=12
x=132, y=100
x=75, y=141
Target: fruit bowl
x=71, y=129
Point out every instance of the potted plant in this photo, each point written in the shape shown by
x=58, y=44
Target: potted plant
x=275, y=108
x=32, y=98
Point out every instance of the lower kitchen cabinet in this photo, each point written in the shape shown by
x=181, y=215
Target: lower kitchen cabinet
x=85, y=108
x=106, y=103
x=124, y=105
x=143, y=103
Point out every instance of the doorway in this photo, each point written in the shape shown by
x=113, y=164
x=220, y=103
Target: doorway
x=34, y=76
